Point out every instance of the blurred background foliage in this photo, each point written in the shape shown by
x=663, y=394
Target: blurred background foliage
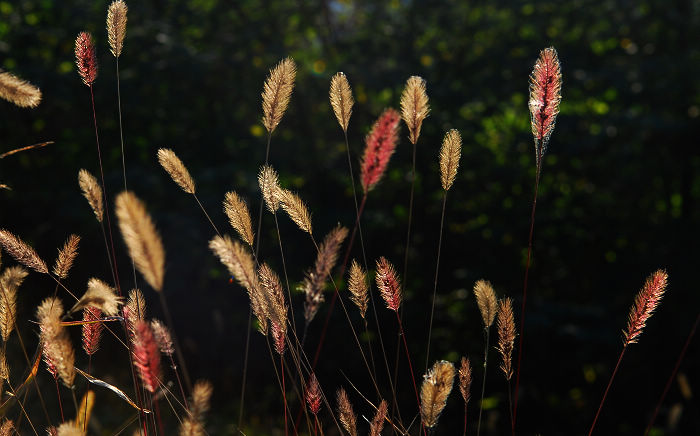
x=619, y=191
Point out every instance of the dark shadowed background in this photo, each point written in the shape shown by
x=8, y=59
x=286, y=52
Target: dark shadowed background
x=618, y=196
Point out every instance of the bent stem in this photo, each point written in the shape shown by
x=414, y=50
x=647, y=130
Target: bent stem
x=612, y=377
x=527, y=270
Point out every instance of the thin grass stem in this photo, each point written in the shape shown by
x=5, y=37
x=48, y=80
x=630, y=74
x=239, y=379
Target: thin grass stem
x=605, y=395
x=437, y=270
x=483, y=382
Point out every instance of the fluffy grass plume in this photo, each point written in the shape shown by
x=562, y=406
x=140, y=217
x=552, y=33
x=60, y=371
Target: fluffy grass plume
x=644, y=305
x=375, y=428
x=22, y=252
x=341, y=99
x=388, y=283
x=315, y=279
x=10, y=280
x=116, y=26
x=66, y=256
x=146, y=356
x=142, y=239
x=380, y=144
x=92, y=192
x=193, y=425
x=7, y=428
x=69, y=428
x=545, y=96
x=276, y=93
x=313, y=394
x=506, y=335
x=294, y=206
x=414, y=106
x=239, y=262
x=101, y=296
x=134, y=310
x=57, y=348
x=92, y=329
x=345, y=413
x=486, y=300
x=269, y=183
x=176, y=169
x=163, y=337
x=85, y=58
x=272, y=286
x=465, y=379
x=239, y=216
x=17, y=91
x=357, y=284
x=436, y=387
x=450, y=152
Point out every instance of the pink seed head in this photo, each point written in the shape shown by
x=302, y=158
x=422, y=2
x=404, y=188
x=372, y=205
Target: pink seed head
x=85, y=58
x=146, y=356
x=380, y=145
x=545, y=95
x=388, y=284
x=644, y=305
x=92, y=332
x=313, y=394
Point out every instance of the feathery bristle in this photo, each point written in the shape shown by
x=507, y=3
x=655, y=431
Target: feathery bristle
x=142, y=239
x=270, y=187
x=380, y=144
x=201, y=397
x=465, y=379
x=191, y=427
x=101, y=296
x=277, y=92
x=85, y=58
x=388, y=284
x=436, y=387
x=545, y=96
x=357, y=284
x=58, y=350
x=163, y=338
x=345, y=413
x=315, y=279
x=92, y=330
x=414, y=106
x=92, y=192
x=241, y=265
x=134, y=310
x=146, y=356
x=238, y=216
x=176, y=169
x=116, y=26
x=18, y=91
x=22, y=252
x=449, y=158
x=10, y=281
x=66, y=256
x=506, y=335
x=644, y=305
x=375, y=428
x=341, y=99
x=294, y=206
x=270, y=283
x=69, y=428
x=313, y=394
x=486, y=299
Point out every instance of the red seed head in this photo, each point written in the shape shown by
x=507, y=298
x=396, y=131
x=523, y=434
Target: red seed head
x=278, y=336
x=92, y=332
x=380, y=145
x=313, y=395
x=146, y=356
x=644, y=305
x=388, y=284
x=85, y=58
x=545, y=95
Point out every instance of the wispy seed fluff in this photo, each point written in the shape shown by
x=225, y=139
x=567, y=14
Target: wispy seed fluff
x=238, y=216
x=414, y=106
x=176, y=169
x=486, y=300
x=269, y=183
x=296, y=209
x=92, y=192
x=436, y=387
x=341, y=99
x=116, y=26
x=18, y=91
x=449, y=158
x=277, y=92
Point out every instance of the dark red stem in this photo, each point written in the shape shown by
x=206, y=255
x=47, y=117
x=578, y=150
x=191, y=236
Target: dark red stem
x=410, y=366
x=622, y=353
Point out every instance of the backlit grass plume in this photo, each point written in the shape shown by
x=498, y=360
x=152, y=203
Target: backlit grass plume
x=276, y=93
x=357, y=285
x=146, y=356
x=238, y=216
x=92, y=192
x=17, y=91
x=506, y=335
x=116, y=26
x=55, y=341
x=341, y=99
x=85, y=58
x=66, y=256
x=345, y=413
x=176, y=169
x=449, y=158
x=274, y=294
x=316, y=278
x=269, y=183
x=92, y=329
x=294, y=206
x=465, y=385
x=388, y=284
x=22, y=252
x=545, y=96
x=414, y=106
x=486, y=300
x=101, y=296
x=436, y=387
x=313, y=394
x=142, y=239
x=10, y=281
x=380, y=144
x=377, y=424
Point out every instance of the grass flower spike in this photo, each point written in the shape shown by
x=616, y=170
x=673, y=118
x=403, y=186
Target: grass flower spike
x=85, y=58
x=388, y=284
x=414, y=106
x=17, y=91
x=437, y=385
x=92, y=193
x=545, y=95
x=341, y=99
x=644, y=305
x=277, y=92
x=176, y=169
x=116, y=26
x=506, y=335
x=379, y=146
x=449, y=158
